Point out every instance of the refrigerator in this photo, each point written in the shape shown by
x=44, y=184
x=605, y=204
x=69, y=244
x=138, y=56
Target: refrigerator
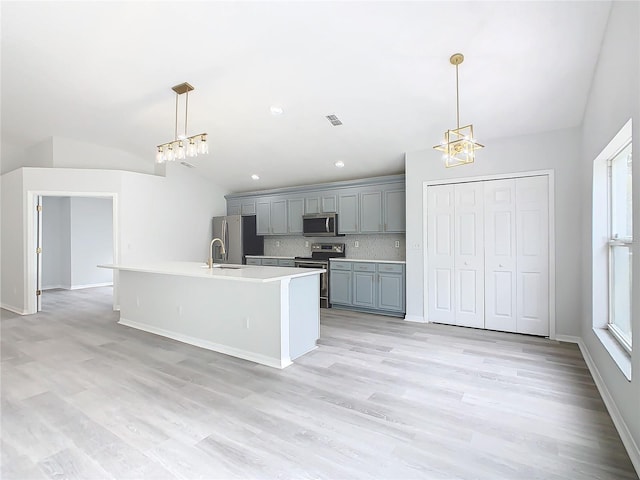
x=238, y=232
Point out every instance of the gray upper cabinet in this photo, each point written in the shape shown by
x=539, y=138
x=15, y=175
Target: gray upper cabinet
x=325, y=203
x=263, y=217
x=366, y=206
x=295, y=210
x=394, y=210
x=348, y=213
x=371, y=212
x=279, y=217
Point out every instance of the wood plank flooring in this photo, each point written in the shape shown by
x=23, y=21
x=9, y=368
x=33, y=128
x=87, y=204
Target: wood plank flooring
x=86, y=398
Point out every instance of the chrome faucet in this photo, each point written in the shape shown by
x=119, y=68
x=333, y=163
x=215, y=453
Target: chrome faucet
x=222, y=250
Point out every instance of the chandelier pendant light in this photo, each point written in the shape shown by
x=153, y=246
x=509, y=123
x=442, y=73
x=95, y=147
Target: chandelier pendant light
x=182, y=146
x=459, y=144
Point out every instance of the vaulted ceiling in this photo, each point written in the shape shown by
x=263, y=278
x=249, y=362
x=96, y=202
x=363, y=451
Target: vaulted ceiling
x=102, y=72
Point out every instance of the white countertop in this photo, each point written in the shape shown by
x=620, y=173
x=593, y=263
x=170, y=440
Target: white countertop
x=246, y=273
x=271, y=256
x=366, y=261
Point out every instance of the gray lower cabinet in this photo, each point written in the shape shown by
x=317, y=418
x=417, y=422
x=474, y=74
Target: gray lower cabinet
x=368, y=286
x=271, y=262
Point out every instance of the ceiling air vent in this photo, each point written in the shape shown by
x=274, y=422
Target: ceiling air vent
x=187, y=164
x=335, y=121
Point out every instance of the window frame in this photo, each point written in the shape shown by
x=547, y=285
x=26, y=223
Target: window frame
x=614, y=241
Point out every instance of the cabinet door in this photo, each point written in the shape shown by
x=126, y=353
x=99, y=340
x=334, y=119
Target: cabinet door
x=532, y=255
x=394, y=210
x=285, y=262
x=500, y=254
x=440, y=268
x=248, y=207
x=271, y=262
x=340, y=287
x=364, y=291
x=328, y=203
x=278, y=216
x=469, y=254
x=391, y=292
x=263, y=217
x=233, y=208
x=254, y=261
x=295, y=210
x=370, y=212
x=348, y=213
x=312, y=205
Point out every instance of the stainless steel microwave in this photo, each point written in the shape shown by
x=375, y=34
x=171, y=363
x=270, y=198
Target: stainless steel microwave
x=320, y=225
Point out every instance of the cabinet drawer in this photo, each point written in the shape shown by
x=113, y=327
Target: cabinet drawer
x=390, y=267
x=286, y=263
x=364, y=267
x=270, y=261
x=254, y=261
x=341, y=266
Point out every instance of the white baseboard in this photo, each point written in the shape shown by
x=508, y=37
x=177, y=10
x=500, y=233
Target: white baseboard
x=91, y=285
x=56, y=287
x=415, y=318
x=627, y=440
x=216, y=347
x=567, y=339
x=13, y=309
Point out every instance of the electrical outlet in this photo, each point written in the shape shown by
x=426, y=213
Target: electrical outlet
x=246, y=322
x=306, y=244
x=356, y=244
x=277, y=243
x=397, y=244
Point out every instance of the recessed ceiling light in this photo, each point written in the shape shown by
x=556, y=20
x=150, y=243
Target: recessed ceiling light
x=275, y=110
x=339, y=164
x=255, y=177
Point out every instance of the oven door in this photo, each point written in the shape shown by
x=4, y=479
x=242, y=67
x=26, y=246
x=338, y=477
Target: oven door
x=324, y=279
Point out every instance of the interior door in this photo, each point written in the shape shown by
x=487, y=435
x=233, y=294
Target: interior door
x=38, y=253
x=469, y=254
x=532, y=274
x=500, y=255
x=440, y=254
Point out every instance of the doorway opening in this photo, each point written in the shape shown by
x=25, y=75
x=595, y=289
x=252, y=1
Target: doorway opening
x=72, y=233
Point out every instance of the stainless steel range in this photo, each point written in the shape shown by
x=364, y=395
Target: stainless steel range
x=320, y=255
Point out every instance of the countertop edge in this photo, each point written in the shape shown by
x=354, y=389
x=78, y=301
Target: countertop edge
x=205, y=272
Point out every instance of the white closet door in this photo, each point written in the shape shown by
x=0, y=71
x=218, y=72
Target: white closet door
x=469, y=254
x=500, y=255
x=440, y=254
x=532, y=227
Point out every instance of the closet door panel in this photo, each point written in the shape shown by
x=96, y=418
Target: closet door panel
x=500, y=255
x=469, y=254
x=440, y=259
x=532, y=227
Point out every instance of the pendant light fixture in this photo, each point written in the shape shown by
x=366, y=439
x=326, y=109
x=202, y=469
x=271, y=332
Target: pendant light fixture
x=459, y=144
x=182, y=146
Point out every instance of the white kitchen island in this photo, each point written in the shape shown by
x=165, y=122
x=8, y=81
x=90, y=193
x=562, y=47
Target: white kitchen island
x=269, y=315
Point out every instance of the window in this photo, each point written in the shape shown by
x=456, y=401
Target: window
x=620, y=244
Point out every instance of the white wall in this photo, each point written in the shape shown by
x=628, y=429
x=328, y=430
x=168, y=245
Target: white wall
x=557, y=151
x=91, y=241
x=12, y=293
x=160, y=218
x=56, y=241
x=613, y=99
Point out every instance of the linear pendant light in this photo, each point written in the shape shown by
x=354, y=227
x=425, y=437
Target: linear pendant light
x=182, y=146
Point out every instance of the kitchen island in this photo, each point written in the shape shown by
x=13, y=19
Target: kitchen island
x=268, y=315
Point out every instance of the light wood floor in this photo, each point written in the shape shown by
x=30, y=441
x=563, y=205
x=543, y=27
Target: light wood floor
x=83, y=397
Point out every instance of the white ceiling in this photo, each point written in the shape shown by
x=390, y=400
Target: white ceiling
x=102, y=72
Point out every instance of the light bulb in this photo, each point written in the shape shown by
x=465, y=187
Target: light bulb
x=170, y=155
x=192, y=148
x=160, y=155
x=203, y=146
x=180, y=153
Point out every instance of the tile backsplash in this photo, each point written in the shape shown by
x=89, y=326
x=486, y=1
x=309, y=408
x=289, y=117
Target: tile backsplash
x=370, y=247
